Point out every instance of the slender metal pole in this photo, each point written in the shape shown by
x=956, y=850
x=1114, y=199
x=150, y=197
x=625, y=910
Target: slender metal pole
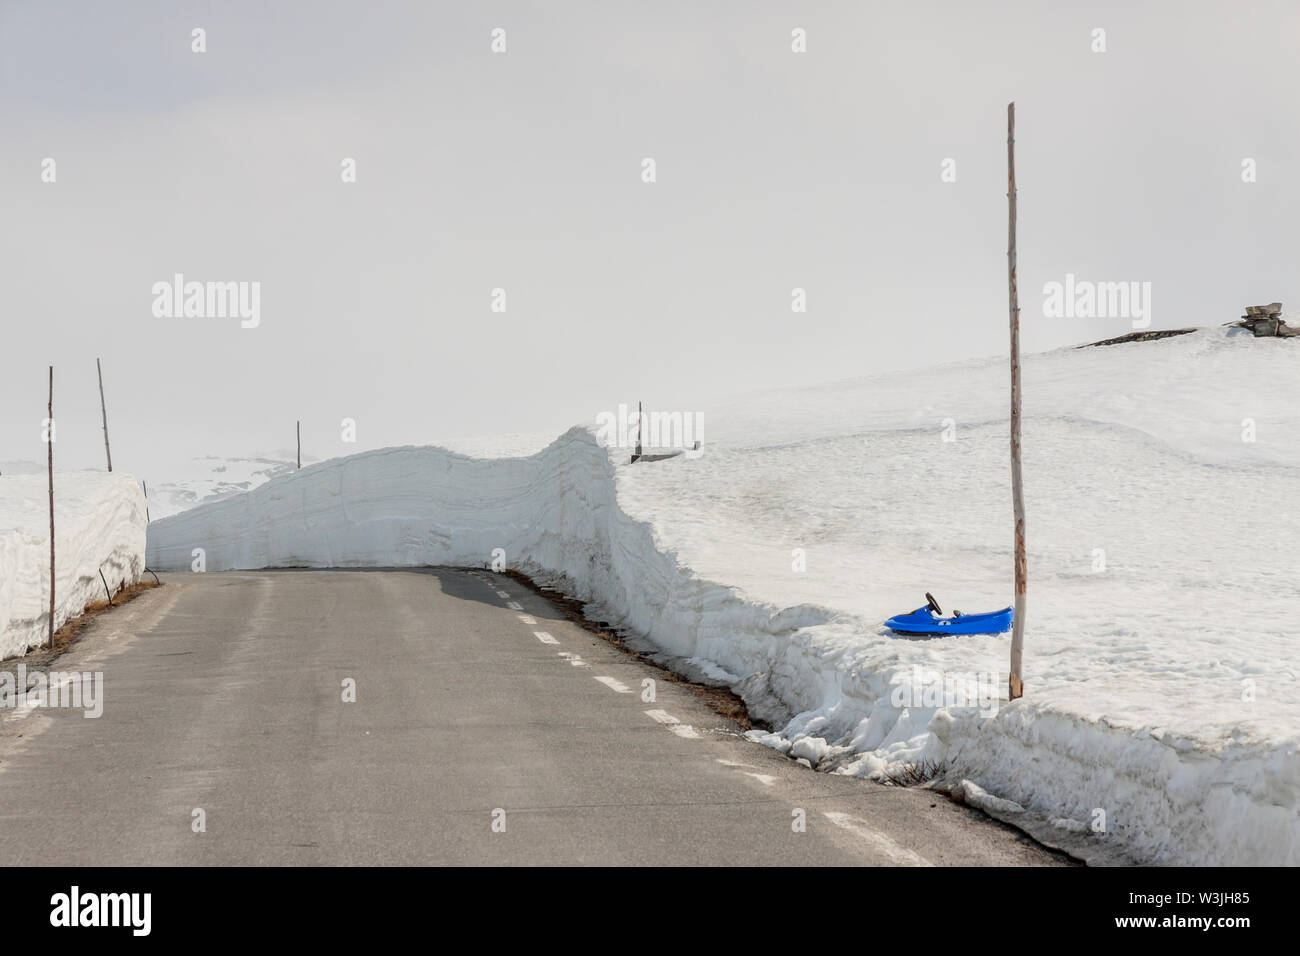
x=104, y=411
x=1016, y=686
x=298, y=425
x=49, y=435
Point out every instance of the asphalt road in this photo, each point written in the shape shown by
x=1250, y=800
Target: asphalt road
x=486, y=729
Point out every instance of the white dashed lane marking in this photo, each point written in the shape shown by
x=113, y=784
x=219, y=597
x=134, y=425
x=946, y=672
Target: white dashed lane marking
x=895, y=852
x=746, y=769
x=672, y=723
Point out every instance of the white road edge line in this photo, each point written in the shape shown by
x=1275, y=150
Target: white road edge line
x=615, y=685
x=544, y=637
x=895, y=852
x=514, y=606
x=25, y=709
x=527, y=618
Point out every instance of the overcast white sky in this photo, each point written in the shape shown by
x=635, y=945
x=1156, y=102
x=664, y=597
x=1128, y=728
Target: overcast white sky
x=523, y=170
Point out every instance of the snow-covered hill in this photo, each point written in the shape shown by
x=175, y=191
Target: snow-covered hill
x=1162, y=716
x=213, y=478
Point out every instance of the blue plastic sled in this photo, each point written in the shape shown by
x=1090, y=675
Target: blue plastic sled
x=928, y=620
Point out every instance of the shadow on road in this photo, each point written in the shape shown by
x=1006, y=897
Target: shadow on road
x=453, y=582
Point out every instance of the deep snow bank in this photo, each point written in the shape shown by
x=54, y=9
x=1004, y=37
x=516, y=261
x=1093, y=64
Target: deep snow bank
x=554, y=513
x=1162, y=698
x=99, y=524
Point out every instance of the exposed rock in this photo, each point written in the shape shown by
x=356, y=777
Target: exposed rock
x=1265, y=321
x=1145, y=336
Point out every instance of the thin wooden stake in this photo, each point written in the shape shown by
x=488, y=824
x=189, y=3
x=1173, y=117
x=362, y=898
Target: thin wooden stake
x=298, y=425
x=104, y=411
x=1016, y=686
x=49, y=442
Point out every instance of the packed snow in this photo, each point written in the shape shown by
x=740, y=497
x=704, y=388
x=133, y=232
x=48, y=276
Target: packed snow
x=99, y=525
x=1161, y=714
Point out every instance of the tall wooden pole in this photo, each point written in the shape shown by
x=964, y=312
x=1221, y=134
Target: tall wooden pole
x=49, y=443
x=298, y=426
x=1016, y=687
x=104, y=411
